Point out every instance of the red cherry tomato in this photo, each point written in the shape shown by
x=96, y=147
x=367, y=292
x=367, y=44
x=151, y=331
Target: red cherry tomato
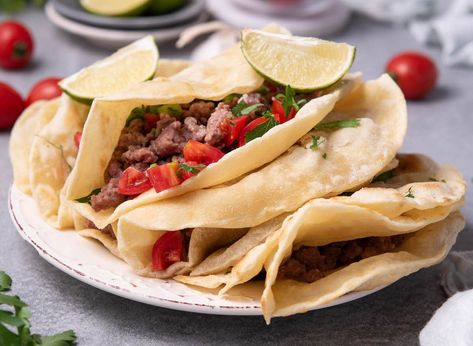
x=415, y=73
x=201, y=153
x=45, y=89
x=77, y=138
x=133, y=182
x=163, y=177
x=233, y=128
x=248, y=128
x=16, y=45
x=278, y=111
x=11, y=106
x=168, y=249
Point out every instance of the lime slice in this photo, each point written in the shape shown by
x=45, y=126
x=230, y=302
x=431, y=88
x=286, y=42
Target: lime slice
x=115, y=8
x=304, y=63
x=130, y=65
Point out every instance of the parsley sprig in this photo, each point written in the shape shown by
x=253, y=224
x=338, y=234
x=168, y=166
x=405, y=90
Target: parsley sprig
x=15, y=325
x=195, y=169
x=409, y=193
x=338, y=124
x=262, y=128
x=316, y=141
x=242, y=108
x=289, y=100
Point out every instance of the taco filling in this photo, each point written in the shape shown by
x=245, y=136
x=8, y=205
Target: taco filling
x=311, y=263
x=162, y=146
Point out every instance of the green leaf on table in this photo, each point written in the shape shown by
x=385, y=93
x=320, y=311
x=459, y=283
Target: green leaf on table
x=5, y=282
x=62, y=339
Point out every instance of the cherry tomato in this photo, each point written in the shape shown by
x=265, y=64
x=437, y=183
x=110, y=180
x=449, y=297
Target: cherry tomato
x=168, y=249
x=16, y=45
x=248, y=128
x=77, y=138
x=11, y=106
x=201, y=153
x=163, y=177
x=150, y=121
x=233, y=128
x=278, y=111
x=186, y=174
x=415, y=73
x=45, y=89
x=133, y=182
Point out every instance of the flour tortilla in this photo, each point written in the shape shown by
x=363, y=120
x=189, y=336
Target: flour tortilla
x=213, y=79
x=31, y=121
x=353, y=156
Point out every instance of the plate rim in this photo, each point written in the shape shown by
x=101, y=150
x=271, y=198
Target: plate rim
x=96, y=282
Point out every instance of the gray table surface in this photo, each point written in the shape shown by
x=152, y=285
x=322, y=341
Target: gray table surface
x=440, y=126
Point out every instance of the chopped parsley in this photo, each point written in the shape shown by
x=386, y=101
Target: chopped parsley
x=383, y=177
x=409, y=193
x=243, y=109
x=338, y=124
x=316, y=141
x=324, y=156
x=190, y=169
x=262, y=128
x=86, y=199
x=289, y=101
x=15, y=325
x=139, y=112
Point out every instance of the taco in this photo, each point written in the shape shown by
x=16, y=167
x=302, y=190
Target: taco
x=207, y=125
x=353, y=143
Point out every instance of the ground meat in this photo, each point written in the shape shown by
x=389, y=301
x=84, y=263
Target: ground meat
x=310, y=263
x=132, y=135
x=107, y=230
x=170, y=141
x=252, y=98
x=114, y=168
x=216, y=126
x=194, y=130
x=108, y=196
x=199, y=109
x=136, y=154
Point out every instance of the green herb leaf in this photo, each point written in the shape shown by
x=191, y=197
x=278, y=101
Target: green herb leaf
x=338, y=124
x=5, y=282
x=289, y=100
x=250, y=109
x=409, y=193
x=261, y=129
x=86, y=199
x=11, y=300
x=192, y=169
x=174, y=110
x=316, y=141
x=8, y=318
x=383, y=177
x=62, y=339
x=236, y=110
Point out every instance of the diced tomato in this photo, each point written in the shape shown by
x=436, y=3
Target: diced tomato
x=278, y=111
x=163, y=177
x=201, y=153
x=234, y=127
x=133, y=182
x=150, y=121
x=248, y=128
x=77, y=138
x=186, y=174
x=168, y=249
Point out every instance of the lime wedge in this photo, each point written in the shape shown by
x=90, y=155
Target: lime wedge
x=304, y=63
x=130, y=65
x=115, y=8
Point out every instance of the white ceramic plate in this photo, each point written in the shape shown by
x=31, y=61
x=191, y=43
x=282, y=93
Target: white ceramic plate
x=89, y=262
x=111, y=38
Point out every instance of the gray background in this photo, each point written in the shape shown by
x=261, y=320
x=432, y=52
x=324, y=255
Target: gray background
x=440, y=126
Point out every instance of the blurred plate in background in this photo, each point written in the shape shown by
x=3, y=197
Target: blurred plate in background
x=113, y=39
x=71, y=9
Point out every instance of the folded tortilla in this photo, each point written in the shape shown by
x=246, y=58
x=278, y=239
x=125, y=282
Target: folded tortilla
x=334, y=219
x=213, y=79
x=345, y=159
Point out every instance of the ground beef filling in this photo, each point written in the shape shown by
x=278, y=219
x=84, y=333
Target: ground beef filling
x=311, y=263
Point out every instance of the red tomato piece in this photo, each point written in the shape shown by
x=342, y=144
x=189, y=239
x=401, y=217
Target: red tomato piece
x=11, y=106
x=415, y=73
x=278, y=111
x=150, y=121
x=168, y=249
x=133, y=182
x=77, y=138
x=248, y=128
x=234, y=127
x=201, y=153
x=16, y=45
x=186, y=174
x=163, y=177
x=45, y=89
